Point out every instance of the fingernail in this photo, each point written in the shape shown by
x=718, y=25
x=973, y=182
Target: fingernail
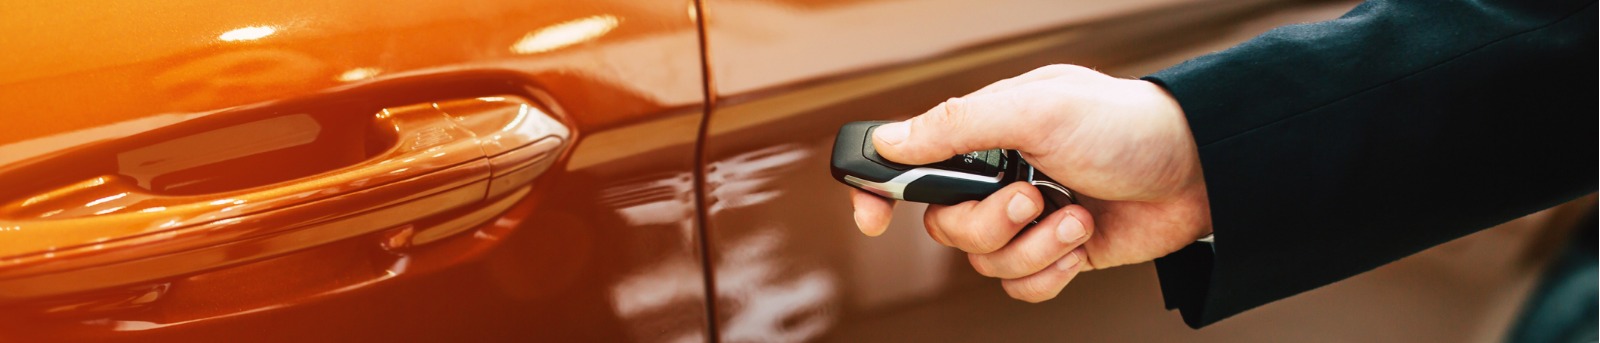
x=1070, y=230
x=1068, y=262
x=1020, y=209
x=893, y=133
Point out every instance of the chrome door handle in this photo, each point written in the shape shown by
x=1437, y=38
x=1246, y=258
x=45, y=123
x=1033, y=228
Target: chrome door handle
x=155, y=208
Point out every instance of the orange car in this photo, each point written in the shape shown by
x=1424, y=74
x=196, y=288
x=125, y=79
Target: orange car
x=183, y=170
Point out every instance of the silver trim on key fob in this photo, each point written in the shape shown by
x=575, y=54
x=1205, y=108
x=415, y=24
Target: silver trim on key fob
x=896, y=188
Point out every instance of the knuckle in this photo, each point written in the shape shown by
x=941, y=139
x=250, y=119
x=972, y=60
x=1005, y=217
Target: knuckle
x=984, y=241
x=954, y=229
x=950, y=115
x=946, y=118
x=962, y=239
x=1031, y=260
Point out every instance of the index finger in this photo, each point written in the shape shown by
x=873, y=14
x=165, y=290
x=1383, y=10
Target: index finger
x=1010, y=119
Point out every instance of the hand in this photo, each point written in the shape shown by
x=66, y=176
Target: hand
x=1122, y=145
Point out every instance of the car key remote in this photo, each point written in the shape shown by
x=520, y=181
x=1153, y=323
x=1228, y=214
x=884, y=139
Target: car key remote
x=970, y=176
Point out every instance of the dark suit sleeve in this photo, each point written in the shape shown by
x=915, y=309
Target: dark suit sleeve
x=1332, y=148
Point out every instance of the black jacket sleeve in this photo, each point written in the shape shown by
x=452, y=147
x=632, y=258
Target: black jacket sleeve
x=1332, y=148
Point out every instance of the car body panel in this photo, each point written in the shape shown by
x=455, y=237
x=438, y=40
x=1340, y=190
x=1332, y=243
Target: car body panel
x=576, y=247
x=768, y=193
x=599, y=236
x=788, y=262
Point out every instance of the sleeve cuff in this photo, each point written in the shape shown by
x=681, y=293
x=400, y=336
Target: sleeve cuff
x=1185, y=280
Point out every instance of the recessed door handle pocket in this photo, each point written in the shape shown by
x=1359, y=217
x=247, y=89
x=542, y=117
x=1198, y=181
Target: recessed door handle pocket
x=181, y=198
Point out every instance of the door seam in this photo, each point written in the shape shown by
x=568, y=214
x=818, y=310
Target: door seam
x=708, y=101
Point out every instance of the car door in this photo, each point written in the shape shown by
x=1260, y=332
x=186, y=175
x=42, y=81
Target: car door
x=785, y=256
x=787, y=263
x=183, y=170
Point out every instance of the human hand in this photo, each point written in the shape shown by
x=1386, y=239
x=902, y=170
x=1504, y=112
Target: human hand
x=1122, y=145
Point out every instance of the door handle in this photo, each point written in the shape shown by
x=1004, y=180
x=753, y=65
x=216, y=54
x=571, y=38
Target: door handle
x=218, y=192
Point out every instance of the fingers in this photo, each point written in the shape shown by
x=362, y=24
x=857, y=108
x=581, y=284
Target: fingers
x=985, y=226
x=1047, y=283
x=1038, y=247
x=872, y=212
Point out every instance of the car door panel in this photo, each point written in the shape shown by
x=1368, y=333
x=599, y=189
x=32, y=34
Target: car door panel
x=243, y=117
x=788, y=262
x=788, y=74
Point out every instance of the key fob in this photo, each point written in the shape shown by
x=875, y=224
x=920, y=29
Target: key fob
x=970, y=176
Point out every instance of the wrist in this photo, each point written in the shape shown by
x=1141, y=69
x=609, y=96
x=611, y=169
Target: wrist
x=1193, y=194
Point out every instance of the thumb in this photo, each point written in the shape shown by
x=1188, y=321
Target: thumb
x=956, y=126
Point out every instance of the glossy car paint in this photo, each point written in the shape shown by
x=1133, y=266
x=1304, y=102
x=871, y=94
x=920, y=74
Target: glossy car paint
x=348, y=170
x=592, y=236
x=788, y=263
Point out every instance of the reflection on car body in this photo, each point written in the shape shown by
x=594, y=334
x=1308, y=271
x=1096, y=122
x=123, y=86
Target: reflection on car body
x=688, y=200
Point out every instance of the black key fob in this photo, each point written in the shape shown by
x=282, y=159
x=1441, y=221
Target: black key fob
x=970, y=176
